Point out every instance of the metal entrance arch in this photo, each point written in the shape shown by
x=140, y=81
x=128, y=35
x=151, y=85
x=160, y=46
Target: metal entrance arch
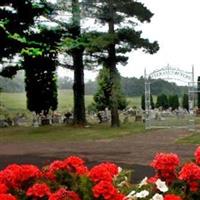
x=159, y=119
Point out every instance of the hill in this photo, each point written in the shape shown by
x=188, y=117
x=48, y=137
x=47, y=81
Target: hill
x=131, y=86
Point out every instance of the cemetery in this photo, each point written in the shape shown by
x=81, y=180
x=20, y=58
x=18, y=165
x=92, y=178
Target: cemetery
x=120, y=135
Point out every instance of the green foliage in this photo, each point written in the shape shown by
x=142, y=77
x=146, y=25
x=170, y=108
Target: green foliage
x=125, y=37
x=121, y=40
x=9, y=71
x=15, y=25
x=162, y=101
x=151, y=102
x=17, y=37
x=33, y=52
x=41, y=88
x=185, y=102
x=173, y=102
x=102, y=97
x=85, y=187
x=143, y=102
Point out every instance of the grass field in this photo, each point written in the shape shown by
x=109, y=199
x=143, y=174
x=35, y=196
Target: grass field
x=16, y=102
x=194, y=138
x=68, y=133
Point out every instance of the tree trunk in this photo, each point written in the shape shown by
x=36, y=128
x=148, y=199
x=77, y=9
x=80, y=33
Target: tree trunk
x=77, y=54
x=115, y=122
x=79, y=89
x=113, y=72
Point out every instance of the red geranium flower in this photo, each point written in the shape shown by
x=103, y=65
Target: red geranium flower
x=3, y=188
x=165, y=161
x=106, y=190
x=15, y=175
x=7, y=197
x=30, y=172
x=53, y=167
x=103, y=172
x=11, y=176
x=75, y=164
x=63, y=194
x=165, y=165
x=172, y=197
x=190, y=173
x=39, y=190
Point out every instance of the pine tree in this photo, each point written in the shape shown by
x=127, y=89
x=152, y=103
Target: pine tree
x=143, y=102
x=73, y=45
x=174, y=102
x=162, y=101
x=17, y=17
x=120, y=38
x=36, y=47
x=185, y=102
x=40, y=73
x=151, y=102
x=102, y=96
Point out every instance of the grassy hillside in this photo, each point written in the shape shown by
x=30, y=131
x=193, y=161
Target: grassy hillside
x=16, y=102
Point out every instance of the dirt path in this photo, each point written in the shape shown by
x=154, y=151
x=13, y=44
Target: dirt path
x=135, y=151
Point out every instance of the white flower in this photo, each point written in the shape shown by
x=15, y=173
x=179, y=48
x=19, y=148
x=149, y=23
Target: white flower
x=130, y=195
x=157, y=197
x=119, y=170
x=142, y=194
x=143, y=182
x=161, y=185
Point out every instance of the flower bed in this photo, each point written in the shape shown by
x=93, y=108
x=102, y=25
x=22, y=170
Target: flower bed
x=70, y=179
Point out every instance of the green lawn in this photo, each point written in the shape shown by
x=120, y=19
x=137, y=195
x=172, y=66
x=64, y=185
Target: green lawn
x=16, y=102
x=68, y=133
x=194, y=138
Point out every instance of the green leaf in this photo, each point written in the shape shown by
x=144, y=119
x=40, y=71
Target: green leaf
x=17, y=37
x=34, y=52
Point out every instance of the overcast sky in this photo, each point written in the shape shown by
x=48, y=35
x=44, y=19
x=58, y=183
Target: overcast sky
x=175, y=25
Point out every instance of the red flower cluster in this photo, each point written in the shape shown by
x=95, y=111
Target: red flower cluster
x=19, y=182
x=7, y=197
x=3, y=188
x=103, y=175
x=14, y=176
x=165, y=165
x=172, y=197
x=63, y=194
x=103, y=171
x=75, y=164
x=27, y=181
x=106, y=190
x=38, y=190
x=190, y=173
x=71, y=164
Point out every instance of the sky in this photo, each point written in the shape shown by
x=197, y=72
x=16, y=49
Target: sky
x=175, y=27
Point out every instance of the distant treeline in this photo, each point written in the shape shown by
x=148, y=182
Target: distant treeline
x=131, y=86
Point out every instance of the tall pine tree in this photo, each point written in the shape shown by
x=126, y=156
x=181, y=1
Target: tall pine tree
x=35, y=45
x=121, y=37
